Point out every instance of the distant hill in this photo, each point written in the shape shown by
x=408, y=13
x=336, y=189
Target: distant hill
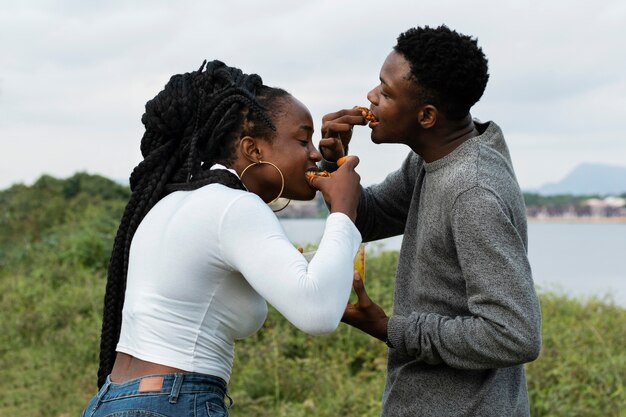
x=589, y=179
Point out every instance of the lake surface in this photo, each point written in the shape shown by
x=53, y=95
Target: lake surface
x=577, y=259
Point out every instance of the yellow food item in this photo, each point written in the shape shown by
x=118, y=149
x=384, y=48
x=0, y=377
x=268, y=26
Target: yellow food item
x=359, y=261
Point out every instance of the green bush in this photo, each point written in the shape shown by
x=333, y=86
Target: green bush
x=582, y=365
x=53, y=256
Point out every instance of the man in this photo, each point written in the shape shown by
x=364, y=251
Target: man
x=465, y=314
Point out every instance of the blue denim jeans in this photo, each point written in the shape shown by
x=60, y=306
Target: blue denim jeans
x=169, y=395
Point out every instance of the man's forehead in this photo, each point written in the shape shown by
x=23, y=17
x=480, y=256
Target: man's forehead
x=396, y=65
x=396, y=71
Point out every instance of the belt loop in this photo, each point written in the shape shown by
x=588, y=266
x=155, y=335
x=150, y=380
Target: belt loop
x=101, y=393
x=230, y=400
x=104, y=389
x=178, y=382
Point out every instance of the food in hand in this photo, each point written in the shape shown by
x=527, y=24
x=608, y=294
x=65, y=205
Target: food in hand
x=312, y=174
x=367, y=114
x=359, y=261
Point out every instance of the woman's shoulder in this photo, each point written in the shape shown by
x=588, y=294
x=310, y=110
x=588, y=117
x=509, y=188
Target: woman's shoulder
x=216, y=190
x=227, y=197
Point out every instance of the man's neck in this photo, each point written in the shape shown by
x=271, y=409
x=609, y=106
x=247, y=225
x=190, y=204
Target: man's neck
x=442, y=140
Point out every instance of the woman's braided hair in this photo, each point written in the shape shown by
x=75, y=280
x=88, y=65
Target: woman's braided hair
x=190, y=125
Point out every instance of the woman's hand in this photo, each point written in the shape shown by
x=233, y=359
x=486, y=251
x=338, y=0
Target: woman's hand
x=365, y=315
x=337, y=132
x=342, y=189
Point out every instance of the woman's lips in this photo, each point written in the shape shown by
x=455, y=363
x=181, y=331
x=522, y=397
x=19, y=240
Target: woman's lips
x=316, y=173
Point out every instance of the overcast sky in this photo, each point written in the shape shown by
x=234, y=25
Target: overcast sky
x=75, y=74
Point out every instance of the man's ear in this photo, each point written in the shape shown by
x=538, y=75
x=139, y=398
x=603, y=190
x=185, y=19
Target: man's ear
x=249, y=148
x=427, y=116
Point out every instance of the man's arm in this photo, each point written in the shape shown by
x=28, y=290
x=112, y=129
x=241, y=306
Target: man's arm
x=384, y=207
x=504, y=325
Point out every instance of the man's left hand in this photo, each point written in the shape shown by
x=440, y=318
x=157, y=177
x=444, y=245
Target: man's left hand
x=365, y=315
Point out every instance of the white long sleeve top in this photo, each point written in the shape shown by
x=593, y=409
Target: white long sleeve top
x=202, y=266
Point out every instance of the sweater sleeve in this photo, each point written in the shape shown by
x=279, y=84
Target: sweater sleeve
x=504, y=325
x=384, y=207
x=312, y=296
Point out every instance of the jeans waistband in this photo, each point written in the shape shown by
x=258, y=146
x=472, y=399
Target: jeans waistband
x=171, y=385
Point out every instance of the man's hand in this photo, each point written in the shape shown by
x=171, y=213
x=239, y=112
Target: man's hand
x=365, y=315
x=337, y=132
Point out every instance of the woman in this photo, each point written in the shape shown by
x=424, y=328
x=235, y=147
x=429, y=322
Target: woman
x=199, y=253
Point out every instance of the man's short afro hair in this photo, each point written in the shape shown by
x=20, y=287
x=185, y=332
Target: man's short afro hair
x=449, y=68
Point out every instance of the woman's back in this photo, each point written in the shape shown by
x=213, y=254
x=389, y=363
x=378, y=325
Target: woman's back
x=184, y=304
x=198, y=253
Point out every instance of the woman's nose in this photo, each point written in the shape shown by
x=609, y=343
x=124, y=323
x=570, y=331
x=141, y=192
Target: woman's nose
x=316, y=155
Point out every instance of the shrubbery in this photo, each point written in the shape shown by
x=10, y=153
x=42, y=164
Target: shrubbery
x=54, y=247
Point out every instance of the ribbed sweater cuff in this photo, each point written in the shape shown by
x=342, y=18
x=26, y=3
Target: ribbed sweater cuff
x=396, y=330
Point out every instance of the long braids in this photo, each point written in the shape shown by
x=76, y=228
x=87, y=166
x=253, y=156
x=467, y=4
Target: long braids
x=190, y=125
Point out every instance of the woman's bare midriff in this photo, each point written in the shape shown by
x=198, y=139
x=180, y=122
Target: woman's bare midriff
x=128, y=367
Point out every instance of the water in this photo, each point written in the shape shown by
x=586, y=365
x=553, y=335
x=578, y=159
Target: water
x=577, y=259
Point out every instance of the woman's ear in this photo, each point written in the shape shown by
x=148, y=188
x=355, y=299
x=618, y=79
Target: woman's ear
x=427, y=116
x=249, y=148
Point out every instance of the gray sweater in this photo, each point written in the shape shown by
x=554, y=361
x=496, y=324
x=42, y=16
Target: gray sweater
x=465, y=313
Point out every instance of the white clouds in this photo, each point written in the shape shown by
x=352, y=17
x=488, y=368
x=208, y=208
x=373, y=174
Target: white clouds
x=75, y=75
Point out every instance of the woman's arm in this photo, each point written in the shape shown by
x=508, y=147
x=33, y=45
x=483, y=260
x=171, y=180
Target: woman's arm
x=312, y=296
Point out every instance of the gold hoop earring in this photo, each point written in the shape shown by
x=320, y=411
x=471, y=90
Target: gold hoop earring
x=282, y=183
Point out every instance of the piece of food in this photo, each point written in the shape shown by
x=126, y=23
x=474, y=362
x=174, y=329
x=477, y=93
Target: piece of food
x=359, y=261
x=312, y=174
x=367, y=114
x=341, y=160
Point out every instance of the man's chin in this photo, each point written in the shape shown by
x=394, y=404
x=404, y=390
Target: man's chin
x=379, y=139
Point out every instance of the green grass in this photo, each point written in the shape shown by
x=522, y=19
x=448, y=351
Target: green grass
x=55, y=239
x=51, y=322
x=582, y=365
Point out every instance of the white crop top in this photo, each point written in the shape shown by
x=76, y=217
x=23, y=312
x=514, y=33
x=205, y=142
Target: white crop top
x=202, y=265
